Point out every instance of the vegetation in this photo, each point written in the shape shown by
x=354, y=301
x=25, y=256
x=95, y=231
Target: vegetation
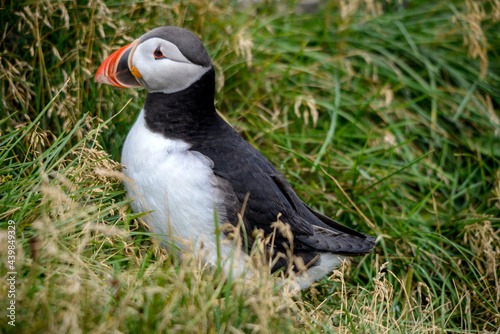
x=383, y=115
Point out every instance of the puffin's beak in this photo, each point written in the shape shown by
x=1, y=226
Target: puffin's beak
x=117, y=69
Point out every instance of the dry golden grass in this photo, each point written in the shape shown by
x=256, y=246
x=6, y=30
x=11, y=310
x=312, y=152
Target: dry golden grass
x=384, y=116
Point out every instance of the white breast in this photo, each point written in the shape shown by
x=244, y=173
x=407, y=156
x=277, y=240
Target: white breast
x=178, y=187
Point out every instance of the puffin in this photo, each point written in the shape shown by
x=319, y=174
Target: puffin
x=193, y=174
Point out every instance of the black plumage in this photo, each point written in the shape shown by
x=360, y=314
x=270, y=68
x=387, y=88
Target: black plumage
x=190, y=115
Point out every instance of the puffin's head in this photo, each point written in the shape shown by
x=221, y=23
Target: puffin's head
x=166, y=59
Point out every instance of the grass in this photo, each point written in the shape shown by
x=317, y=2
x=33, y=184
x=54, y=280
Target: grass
x=383, y=116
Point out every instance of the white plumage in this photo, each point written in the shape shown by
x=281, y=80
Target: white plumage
x=178, y=189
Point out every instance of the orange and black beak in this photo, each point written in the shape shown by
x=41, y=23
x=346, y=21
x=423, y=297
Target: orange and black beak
x=117, y=70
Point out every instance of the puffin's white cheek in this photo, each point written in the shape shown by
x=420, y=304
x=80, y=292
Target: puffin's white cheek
x=169, y=76
x=158, y=75
x=184, y=75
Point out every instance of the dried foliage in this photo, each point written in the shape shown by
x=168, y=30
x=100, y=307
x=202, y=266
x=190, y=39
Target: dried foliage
x=382, y=114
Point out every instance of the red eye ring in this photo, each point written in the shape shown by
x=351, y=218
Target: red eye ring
x=158, y=54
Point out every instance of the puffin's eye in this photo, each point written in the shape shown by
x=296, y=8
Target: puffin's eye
x=158, y=54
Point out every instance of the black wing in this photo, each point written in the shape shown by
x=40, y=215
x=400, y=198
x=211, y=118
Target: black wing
x=246, y=171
